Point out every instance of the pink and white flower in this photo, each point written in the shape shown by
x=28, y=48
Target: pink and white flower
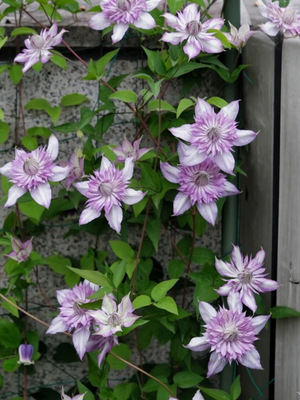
x=128, y=150
x=284, y=19
x=121, y=13
x=66, y=397
x=188, y=26
x=230, y=336
x=213, y=135
x=103, y=344
x=111, y=318
x=239, y=37
x=38, y=47
x=21, y=251
x=32, y=172
x=201, y=184
x=76, y=170
x=73, y=318
x=105, y=190
x=247, y=277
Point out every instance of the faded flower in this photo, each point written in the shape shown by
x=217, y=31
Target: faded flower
x=21, y=251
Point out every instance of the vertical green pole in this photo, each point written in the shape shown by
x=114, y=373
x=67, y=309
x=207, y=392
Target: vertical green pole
x=230, y=211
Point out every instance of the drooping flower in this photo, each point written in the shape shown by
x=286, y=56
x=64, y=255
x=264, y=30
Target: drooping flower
x=284, y=19
x=201, y=184
x=76, y=170
x=189, y=27
x=21, y=251
x=230, y=336
x=122, y=13
x=66, y=397
x=128, y=150
x=103, y=344
x=73, y=318
x=111, y=318
x=25, y=354
x=38, y=47
x=105, y=190
x=213, y=135
x=32, y=172
x=239, y=37
x=247, y=277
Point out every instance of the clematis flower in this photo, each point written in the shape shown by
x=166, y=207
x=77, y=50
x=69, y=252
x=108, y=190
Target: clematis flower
x=213, y=135
x=111, y=318
x=38, y=47
x=128, y=150
x=32, y=172
x=239, y=37
x=66, y=397
x=201, y=184
x=25, y=354
x=198, y=396
x=284, y=19
x=188, y=27
x=247, y=277
x=122, y=13
x=76, y=170
x=230, y=335
x=104, y=344
x=73, y=318
x=105, y=190
x=21, y=251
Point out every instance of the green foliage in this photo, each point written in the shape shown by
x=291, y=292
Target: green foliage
x=283, y=312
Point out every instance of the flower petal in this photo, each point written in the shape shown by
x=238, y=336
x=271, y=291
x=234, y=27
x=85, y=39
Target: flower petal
x=208, y=211
x=173, y=37
x=82, y=187
x=114, y=218
x=99, y=22
x=145, y=21
x=42, y=194
x=5, y=170
x=198, y=396
x=192, y=47
x=269, y=28
x=88, y=215
x=190, y=156
x=237, y=258
x=231, y=110
x=259, y=323
x=267, y=285
x=182, y=132
x=225, y=162
x=170, y=173
x=52, y=148
x=226, y=269
x=198, y=344
x=80, y=338
x=59, y=173
x=151, y=4
x=216, y=364
x=206, y=311
x=203, y=107
x=128, y=169
x=251, y=359
x=119, y=32
x=57, y=325
x=244, y=137
x=133, y=196
x=14, y=193
x=182, y=203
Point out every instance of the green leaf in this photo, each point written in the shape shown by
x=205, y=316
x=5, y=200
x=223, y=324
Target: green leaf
x=186, y=379
x=128, y=96
x=54, y=113
x=103, y=61
x=39, y=131
x=104, y=123
x=216, y=394
x=16, y=73
x=119, y=270
x=153, y=231
x=121, y=350
x=186, y=68
x=283, y=312
x=121, y=249
x=73, y=99
x=37, y=104
x=159, y=291
x=10, y=335
x=23, y=31
x=235, y=389
x=4, y=131
x=33, y=211
x=123, y=391
x=217, y=101
x=29, y=142
x=175, y=5
x=60, y=61
x=176, y=268
x=92, y=276
x=150, y=179
x=86, y=115
x=141, y=301
x=168, y=304
x=140, y=206
x=2, y=43
x=13, y=310
x=202, y=255
x=10, y=364
x=1, y=114
x=183, y=105
x=83, y=389
x=160, y=105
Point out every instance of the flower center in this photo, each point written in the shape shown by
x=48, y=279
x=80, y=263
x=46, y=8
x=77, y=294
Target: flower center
x=106, y=188
x=37, y=41
x=214, y=134
x=76, y=172
x=114, y=319
x=202, y=178
x=288, y=16
x=22, y=255
x=245, y=277
x=230, y=333
x=124, y=5
x=193, y=27
x=77, y=309
x=31, y=166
